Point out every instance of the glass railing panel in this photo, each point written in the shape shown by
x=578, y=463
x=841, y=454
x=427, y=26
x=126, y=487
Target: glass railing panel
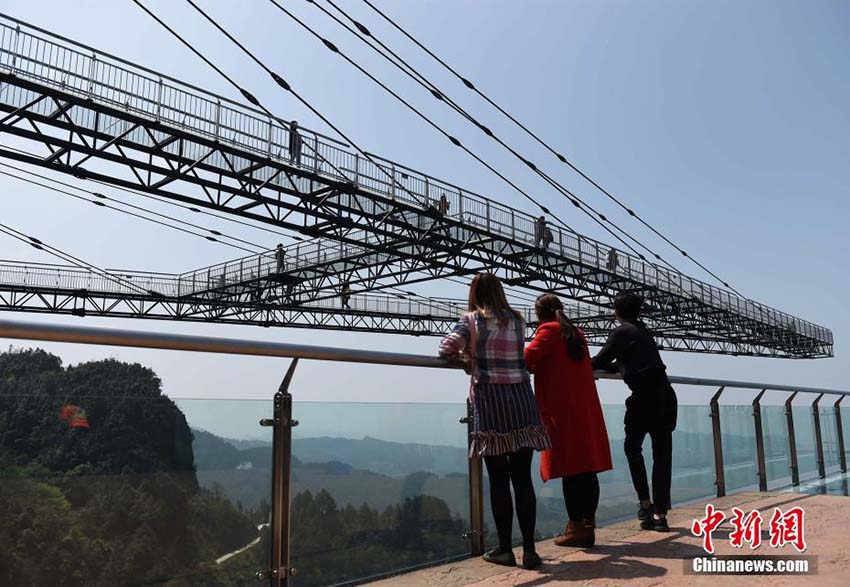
x=693, y=454
x=123, y=486
x=693, y=473
x=377, y=488
x=775, y=431
x=845, y=425
x=804, y=434
x=829, y=437
x=739, y=446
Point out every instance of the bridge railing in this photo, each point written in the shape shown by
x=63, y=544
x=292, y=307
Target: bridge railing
x=41, y=278
x=439, y=490
x=33, y=53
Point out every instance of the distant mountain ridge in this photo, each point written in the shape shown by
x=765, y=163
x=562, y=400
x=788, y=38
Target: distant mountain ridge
x=372, y=454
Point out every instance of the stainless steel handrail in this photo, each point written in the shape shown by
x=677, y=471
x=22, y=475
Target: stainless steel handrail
x=235, y=346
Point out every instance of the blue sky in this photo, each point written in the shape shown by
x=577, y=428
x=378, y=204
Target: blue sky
x=725, y=124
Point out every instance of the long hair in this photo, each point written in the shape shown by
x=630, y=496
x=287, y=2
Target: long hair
x=549, y=307
x=487, y=298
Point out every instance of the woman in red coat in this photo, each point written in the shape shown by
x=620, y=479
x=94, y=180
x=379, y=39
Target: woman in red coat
x=570, y=409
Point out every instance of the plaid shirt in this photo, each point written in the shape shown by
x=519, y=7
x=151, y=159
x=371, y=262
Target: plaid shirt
x=499, y=349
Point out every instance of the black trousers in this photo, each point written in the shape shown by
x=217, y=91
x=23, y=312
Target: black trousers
x=581, y=496
x=504, y=471
x=653, y=413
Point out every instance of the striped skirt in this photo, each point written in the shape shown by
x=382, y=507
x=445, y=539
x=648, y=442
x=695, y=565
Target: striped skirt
x=505, y=419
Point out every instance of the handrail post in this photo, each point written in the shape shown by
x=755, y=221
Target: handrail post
x=357, y=169
x=282, y=423
x=839, y=433
x=818, y=437
x=792, y=441
x=762, y=472
x=720, y=478
x=476, y=491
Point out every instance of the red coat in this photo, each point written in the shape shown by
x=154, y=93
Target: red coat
x=569, y=407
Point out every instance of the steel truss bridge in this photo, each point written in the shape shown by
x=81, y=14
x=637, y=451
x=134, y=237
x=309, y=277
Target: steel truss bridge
x=375, y=224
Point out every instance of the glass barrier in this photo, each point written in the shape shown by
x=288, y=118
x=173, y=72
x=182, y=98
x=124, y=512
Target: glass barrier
x=739, y=446
x=775, y=432
x=845, y=428
x=829, y=437
x=804, y=432
x=118, y=485
x=104, y=481
x=693, y=474
x=377, y=488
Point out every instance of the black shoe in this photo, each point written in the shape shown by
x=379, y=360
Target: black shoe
x=655, y=524
x=644, y=513
x=531, y=560
x=497, y=556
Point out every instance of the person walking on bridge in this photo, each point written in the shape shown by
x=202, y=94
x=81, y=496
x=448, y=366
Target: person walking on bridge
x=650, y=409
x=539, y=230
x=506, y=424
x=569, y=408
x=295, y=143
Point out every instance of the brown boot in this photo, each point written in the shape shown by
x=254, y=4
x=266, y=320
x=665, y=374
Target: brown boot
x=576, y=534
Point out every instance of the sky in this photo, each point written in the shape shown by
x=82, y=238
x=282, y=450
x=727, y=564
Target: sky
x=723, y=123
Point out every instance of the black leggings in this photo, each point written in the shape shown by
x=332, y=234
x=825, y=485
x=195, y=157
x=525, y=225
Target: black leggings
x=581, y=495
x=506, y=470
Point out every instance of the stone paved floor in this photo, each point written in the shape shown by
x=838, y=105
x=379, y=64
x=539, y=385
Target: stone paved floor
x=625, y=555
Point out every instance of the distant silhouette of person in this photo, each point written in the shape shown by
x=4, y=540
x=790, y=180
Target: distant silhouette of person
x=507, y=428
x=612, y=260
x=444, y=205
x=280, y=258
x=650, y=409
x=295, y=143
x=539, y=230
x=346, y=295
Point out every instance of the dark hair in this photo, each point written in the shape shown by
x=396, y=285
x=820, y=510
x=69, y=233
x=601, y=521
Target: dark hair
x=549, y=307
x=628, y=305
x=487, y=297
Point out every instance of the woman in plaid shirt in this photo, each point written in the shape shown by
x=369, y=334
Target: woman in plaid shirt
x=506, y=424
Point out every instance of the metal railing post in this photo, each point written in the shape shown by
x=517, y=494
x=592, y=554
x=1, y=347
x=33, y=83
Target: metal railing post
x=792, y=440
x=92, y=70
x=839, y=433
x=282, y=423
x=818, y=437
x=476, y=492
x=720, y=478
x=356, y=169
x=762, y=472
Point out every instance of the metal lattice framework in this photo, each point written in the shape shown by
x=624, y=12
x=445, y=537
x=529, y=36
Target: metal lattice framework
x=95, y=116
x=59, y=289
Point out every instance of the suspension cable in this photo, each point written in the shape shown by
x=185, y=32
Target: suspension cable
x=563, y=159
x=366, y=36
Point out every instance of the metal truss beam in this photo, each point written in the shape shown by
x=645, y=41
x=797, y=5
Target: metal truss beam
x=56, y=289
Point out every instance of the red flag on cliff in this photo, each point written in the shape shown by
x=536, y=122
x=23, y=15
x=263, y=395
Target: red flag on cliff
x=75, y=416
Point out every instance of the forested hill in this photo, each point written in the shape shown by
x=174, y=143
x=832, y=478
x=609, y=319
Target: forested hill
x=128, y=426
x=97, y=479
